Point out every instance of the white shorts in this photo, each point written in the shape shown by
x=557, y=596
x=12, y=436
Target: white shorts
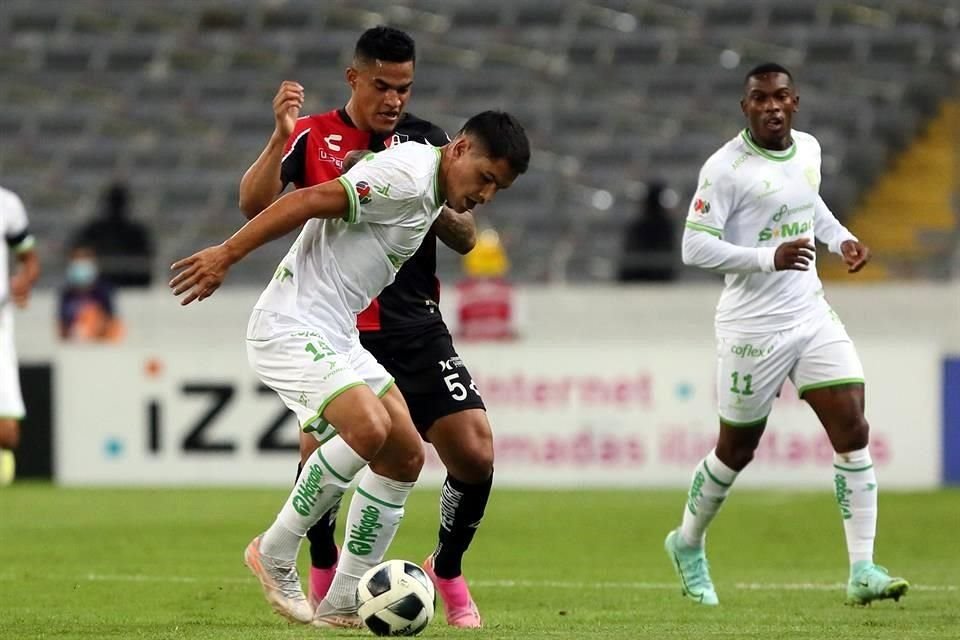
x=11, y=400
x=298, y=363
x=751, y=371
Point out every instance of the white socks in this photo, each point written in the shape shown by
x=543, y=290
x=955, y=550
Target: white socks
x=375, y=513
x=326, y=475
x=708, y=489
x=856, y=492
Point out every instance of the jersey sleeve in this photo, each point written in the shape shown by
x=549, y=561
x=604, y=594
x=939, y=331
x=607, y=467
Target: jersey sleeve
x=293, y=164
x=15, y=224
x=703, y=244
x=382, y=189
x=712, y=201
x=828, y=229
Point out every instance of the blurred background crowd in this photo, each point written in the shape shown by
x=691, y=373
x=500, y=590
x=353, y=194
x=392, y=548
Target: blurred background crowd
x=126, y=126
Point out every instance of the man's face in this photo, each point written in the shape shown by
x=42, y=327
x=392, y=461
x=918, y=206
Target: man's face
x=769, y=103
x=380, y=91
x=473, y=178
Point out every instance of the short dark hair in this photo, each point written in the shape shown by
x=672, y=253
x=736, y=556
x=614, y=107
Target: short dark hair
x=385, y=43
x=503, y=137
x=767, y=67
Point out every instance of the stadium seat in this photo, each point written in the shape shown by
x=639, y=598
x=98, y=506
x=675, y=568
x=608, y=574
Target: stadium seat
x=612, y=92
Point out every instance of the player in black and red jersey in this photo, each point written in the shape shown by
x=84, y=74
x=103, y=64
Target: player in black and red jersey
x=403, y=328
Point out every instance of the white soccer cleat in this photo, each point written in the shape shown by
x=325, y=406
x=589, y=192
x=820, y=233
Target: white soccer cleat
x=327, y=617
x=280, y=582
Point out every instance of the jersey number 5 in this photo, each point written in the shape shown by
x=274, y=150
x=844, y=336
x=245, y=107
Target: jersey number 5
x=457, y=391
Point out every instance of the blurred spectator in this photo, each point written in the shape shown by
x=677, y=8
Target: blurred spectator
x=650, y=240
x=86, y=302
x=486, y=305
x=122, y=244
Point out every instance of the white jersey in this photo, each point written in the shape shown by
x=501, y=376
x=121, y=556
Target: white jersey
x=748, y=202
x=336, y=267
x=13, y=224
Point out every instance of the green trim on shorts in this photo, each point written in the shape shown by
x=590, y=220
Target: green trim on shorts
x=869, y=466
x=713, y=477
x=378, y=500
x=351, y=216
x=829, y=383
x=19, y=417
x=386, y=387
x=308, y=428
x=751, y=423
x=696, y=226
x=329, y=468
x=328, y=438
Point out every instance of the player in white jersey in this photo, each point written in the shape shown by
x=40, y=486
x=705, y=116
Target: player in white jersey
x=303, y=343
x=13, y=290
x=754, y=217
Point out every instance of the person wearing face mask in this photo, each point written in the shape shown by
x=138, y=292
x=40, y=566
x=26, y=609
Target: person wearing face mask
x=122, y=243
x=86, y=302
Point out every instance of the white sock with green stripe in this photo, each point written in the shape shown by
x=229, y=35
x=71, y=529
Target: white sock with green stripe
x=708, y=489
x=855, y=482
x=375, y=513
x=326, y=475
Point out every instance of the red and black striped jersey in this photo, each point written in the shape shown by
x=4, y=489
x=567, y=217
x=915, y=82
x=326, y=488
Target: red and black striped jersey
x=314, y=154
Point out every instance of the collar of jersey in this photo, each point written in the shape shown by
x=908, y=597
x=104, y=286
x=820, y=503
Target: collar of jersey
x=792, y=151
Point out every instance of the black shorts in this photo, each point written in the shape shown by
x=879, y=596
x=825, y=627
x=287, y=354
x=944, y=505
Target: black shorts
x=432, y=377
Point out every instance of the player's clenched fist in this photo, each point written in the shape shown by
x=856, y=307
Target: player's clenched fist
x=855, y=254
x=201, y=274
x=286, y=107
x=795, y=255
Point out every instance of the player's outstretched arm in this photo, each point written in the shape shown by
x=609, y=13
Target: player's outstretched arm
x=262, y=182
x=202, y=273
x=456, y=230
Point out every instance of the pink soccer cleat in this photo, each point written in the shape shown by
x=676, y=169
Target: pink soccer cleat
x=457, y=602
x=320, y=580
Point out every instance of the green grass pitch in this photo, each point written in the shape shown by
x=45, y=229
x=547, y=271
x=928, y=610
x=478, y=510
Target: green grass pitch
x=162, y=564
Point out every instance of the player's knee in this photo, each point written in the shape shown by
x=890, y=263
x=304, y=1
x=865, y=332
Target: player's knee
x=855, y=433
x=401, y=460
x=370, y=430
x=465, y=446
x=9, y=434
x=411, y=465
x=476, y=463
x=735, y=455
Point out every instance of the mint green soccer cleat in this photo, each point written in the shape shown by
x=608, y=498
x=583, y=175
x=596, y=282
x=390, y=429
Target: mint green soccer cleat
x=691, y=565
x=869, y=582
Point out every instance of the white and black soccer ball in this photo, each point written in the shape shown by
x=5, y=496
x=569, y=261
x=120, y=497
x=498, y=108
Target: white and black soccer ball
x=396, y=598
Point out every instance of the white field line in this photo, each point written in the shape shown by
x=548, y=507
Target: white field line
x=502, y=584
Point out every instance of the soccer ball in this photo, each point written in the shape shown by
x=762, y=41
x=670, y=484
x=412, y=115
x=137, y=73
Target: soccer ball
x=396, y=599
